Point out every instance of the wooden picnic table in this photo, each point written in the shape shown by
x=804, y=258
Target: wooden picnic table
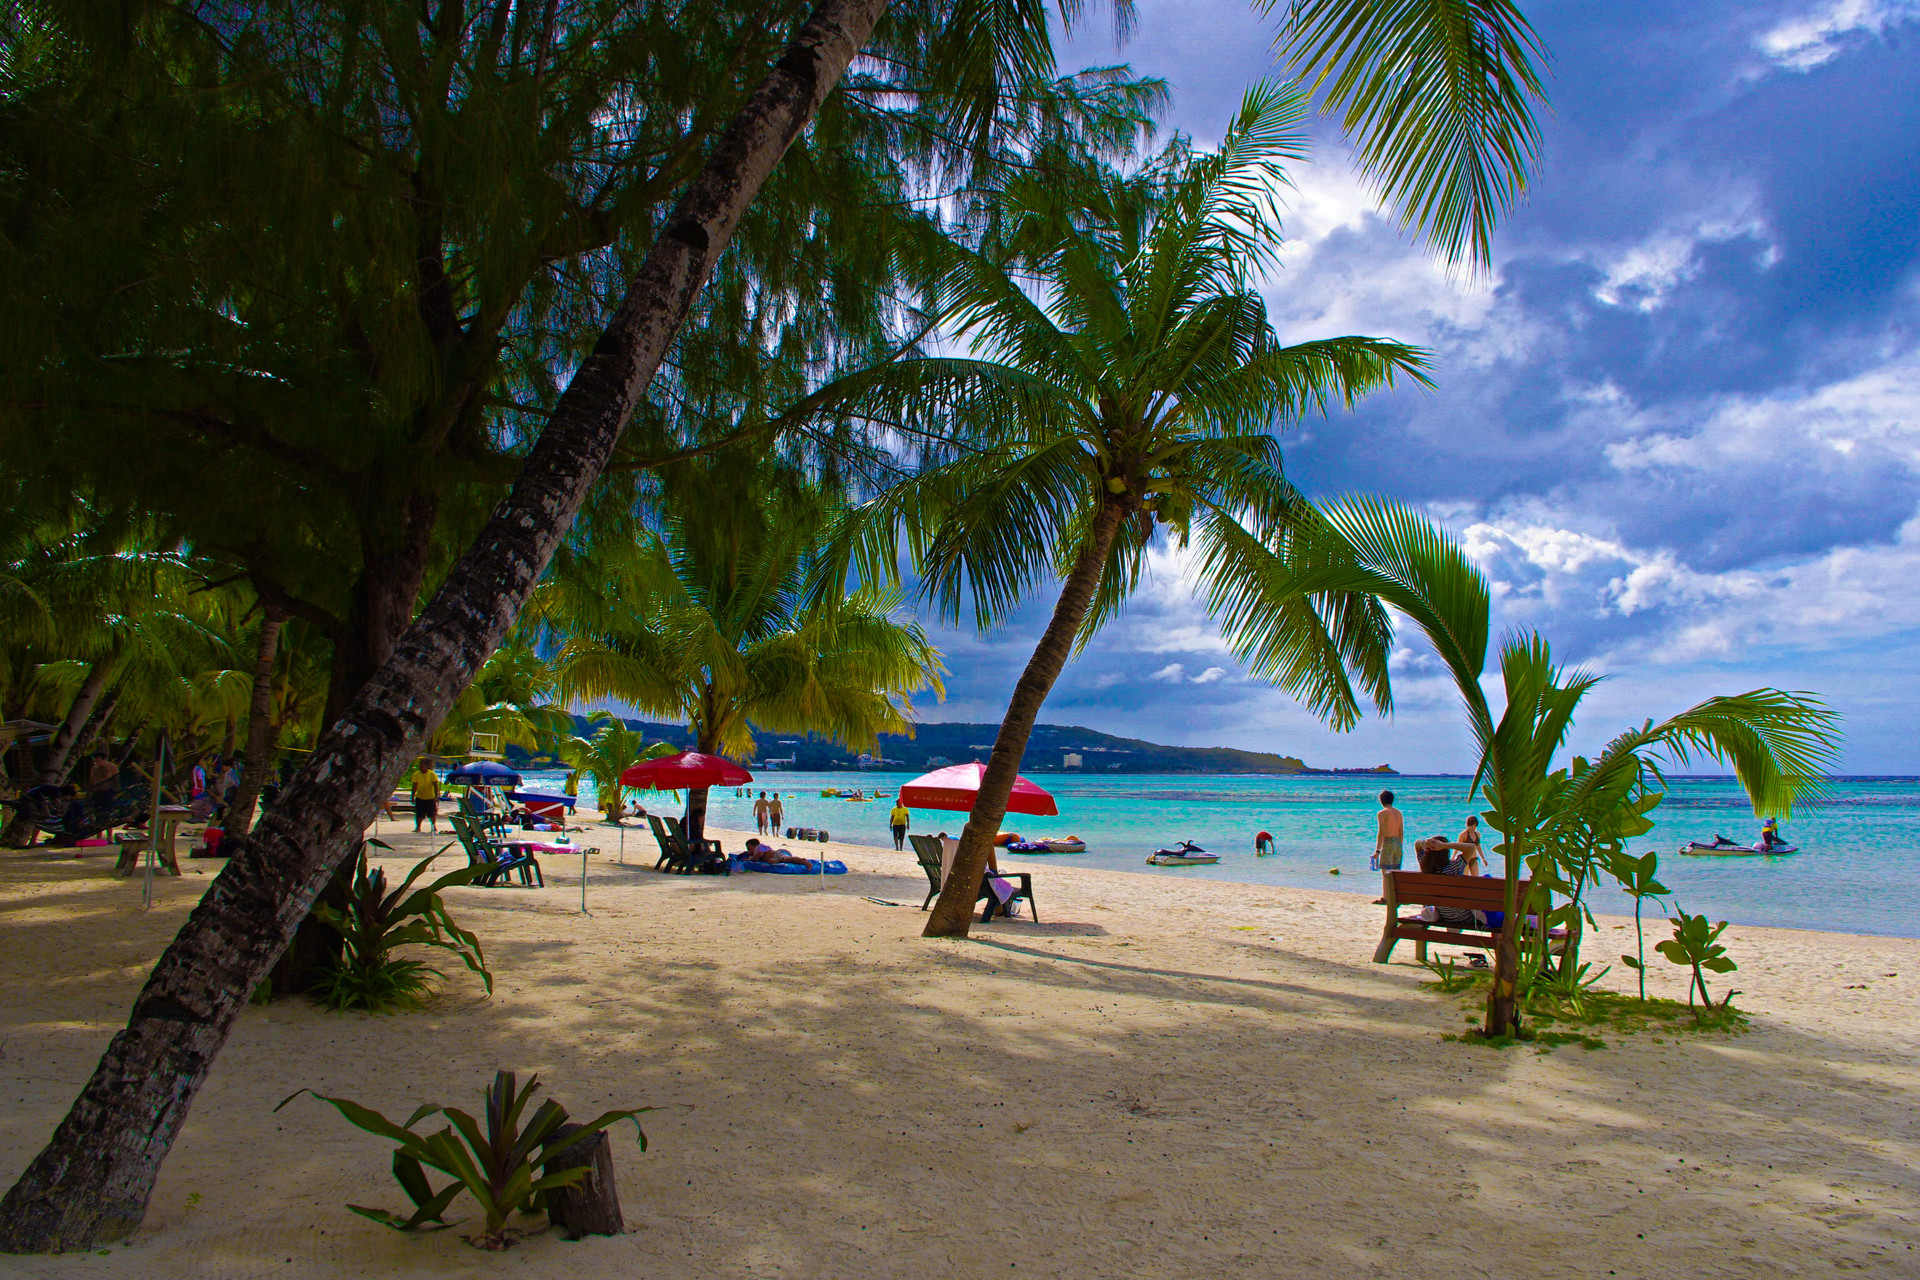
x=161, y=839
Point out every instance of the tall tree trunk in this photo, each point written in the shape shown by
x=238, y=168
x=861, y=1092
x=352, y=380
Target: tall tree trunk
x=239, y=816
x=954, y=911
x=393, y=570
x=696, y=813
x=707, y=743
x=93, y=1180
x=64, y=747
x=96, y=726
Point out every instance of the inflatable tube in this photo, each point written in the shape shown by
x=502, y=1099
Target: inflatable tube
x=1006, y=838
x=835, y=867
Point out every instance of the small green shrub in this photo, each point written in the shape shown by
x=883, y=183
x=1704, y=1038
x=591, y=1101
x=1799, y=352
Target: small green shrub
x=1451, y=979
x=497, y=1165
x=1696, y=945
x=375, y=922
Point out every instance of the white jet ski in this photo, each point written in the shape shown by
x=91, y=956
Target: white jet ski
x=1187, y=854
x=1725, y=848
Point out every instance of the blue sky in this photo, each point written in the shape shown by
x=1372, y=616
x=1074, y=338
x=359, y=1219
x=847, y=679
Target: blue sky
x=1680, y=425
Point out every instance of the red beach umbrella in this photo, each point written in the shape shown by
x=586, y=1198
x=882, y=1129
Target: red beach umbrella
x=958, y=786
x=685, y=771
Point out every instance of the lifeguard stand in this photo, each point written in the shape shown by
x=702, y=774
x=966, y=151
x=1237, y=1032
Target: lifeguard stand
x=485, y=746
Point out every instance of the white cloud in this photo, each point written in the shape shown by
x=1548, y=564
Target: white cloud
x=1822, y=34
x=1643, y=274
x=1210, y=676
x=1172, y=673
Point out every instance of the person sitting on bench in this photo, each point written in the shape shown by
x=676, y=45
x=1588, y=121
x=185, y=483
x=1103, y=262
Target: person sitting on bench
x=1431, y=854
x=758, y=851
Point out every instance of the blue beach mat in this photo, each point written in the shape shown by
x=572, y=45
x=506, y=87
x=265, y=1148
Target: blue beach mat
x=835, y=867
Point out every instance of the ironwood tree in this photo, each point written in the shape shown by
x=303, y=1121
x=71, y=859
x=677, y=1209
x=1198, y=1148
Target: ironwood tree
x=92, y=1182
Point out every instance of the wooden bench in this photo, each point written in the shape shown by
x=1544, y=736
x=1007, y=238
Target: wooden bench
x=1471, y=893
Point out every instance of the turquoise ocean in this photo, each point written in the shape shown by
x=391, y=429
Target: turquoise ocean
x=1859, y=872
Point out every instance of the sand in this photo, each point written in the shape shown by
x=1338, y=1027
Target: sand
x=1162, y=1079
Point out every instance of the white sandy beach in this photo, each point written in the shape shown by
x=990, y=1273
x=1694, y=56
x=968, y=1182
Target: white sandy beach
x=1160, y=1080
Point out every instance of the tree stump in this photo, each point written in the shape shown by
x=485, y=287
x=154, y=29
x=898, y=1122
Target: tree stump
x=590, y=1206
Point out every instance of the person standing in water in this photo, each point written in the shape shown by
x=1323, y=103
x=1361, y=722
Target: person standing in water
x=898, y=820
x=1392, y=826
x=775, y=815
x=760, y=813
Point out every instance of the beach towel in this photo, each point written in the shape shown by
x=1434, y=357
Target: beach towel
x=835, y=867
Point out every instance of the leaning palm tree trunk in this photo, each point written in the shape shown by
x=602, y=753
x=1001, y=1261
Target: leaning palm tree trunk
x=952, y=913
x=93, y=1180
x=239, y=815
x=64, y=748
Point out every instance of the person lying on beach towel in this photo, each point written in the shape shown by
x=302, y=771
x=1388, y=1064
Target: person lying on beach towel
x=759, y=851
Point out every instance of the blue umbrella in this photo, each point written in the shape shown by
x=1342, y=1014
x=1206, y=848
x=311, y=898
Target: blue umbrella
x=485, y=773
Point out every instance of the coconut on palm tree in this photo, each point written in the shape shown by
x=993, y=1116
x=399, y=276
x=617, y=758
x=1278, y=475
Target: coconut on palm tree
x=1126, y=385
x=1780, y=744
x=707, y=619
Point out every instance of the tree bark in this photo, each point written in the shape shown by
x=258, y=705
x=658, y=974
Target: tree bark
x=953, y=912
x=392, y=573
x=696, y=813
x=93, y=1180
x=61, y=751
x=1503, y=996
x=590, y=1206
x=238, y=819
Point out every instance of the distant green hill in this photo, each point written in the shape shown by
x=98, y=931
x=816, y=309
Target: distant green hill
x=1054, y=748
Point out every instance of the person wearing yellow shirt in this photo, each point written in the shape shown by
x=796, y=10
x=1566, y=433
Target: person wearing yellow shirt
x=900, y=817
x=425, y=788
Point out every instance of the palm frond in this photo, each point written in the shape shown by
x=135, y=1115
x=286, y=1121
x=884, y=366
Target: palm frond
x=1438, y=96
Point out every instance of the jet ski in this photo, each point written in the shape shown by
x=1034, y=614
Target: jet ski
x=1725, y=848
x=1186, y=854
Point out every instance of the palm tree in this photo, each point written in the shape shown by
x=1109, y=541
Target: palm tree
x=1780, y=744
x=514, y=697
x=90, y=1183
x=1128, y=382
x=608, y=754
x=706, y=620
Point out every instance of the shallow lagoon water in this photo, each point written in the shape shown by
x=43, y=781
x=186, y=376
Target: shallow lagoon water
x=1860, y=872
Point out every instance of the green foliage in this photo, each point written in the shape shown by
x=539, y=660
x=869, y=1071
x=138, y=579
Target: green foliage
x=1563, y=993
x=345, y=252
x=708, y=619
x=604, y=757
x=1449, y=979
x=375, y=922
x=1637, y=877
x=1599, y=1014
x=1129, y=386
x=1437, y=97
x=1695, y=945
x=1552, y=821
x=496, y=1164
